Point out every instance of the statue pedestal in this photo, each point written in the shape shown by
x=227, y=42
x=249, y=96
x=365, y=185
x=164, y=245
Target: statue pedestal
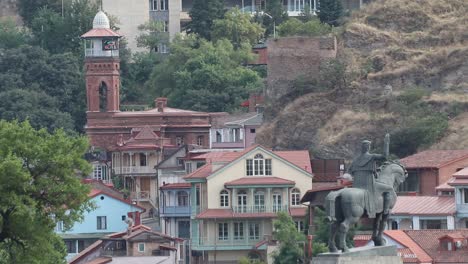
x=361, y=255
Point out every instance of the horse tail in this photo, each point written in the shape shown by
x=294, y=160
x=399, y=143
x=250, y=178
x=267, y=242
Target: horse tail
x=330, y=205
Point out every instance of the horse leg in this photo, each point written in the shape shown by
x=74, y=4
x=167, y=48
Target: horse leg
x=343, y=231
x=332, y=238
x=376, y=228
x=382, y=226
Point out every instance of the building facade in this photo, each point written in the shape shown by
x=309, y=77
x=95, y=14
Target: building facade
x=237, y=195
x=108, y=217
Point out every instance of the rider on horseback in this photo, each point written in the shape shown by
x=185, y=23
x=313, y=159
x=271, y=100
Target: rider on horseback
x=363, y=169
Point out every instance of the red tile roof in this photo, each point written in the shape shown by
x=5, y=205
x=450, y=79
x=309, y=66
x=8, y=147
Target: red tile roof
x=201, y=173
x=300, y=158
x=407, y=255
x=433, y=158
x=175, y=186
x=230, y=214
x=445, y=187
x=101, y=260
x=100, y=32
x=428, y=240
x=250, y=180
x=424, y=205
x=401, y=237
x=95, y=192
x=459, y=178
x=461, y=173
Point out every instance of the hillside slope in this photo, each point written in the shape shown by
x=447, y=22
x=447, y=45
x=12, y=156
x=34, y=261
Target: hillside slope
x=406, y=74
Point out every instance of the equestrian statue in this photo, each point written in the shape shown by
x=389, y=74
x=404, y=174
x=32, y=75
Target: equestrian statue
x=373, y=194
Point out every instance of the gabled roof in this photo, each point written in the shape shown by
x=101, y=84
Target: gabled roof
x=433, y=158
x=150, y=232
x=459, y=178
x=401, y=237
x=95, y=192
x=299, y=159
x=262, y=180
x=424, y=205
x=428, y=240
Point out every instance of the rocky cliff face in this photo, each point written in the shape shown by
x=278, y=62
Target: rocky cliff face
x=389, y=49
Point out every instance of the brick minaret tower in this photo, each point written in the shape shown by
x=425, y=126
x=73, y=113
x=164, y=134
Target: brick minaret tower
x=102, y=66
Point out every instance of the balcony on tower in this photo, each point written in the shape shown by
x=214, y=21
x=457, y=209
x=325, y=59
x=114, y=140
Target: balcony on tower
x=101, y=41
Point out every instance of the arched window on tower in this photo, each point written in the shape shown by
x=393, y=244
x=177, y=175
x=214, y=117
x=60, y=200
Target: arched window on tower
x=103, y=97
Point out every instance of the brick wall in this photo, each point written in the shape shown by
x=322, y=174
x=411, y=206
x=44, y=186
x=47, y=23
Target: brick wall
x=291, y=57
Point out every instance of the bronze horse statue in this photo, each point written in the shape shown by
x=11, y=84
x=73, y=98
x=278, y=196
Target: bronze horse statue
x=346, y=206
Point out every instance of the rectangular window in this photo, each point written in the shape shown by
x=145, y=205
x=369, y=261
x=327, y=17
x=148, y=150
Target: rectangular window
x=267, y=166
x=200, y=140
x=433, y=224
x=59, y=226
x=101, y=222
x=238, y=231
x=71, y=246
x=411, y=184
x=252, y=130
x=143, y=162
x=188, y=167
x=465, y=195
x=299, y=226
x=141, y=247
x=165, y=26
x=154, y=5
x=249, y=167
x=259, y=199
x=223, y=233
x=164, y=5
x=179, y=139
x=254, y=231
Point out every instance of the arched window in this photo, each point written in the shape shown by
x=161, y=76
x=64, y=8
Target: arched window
x=258, y=166
x=182, y=198
x=224, y=198
x=103, y=97
x=295, y=196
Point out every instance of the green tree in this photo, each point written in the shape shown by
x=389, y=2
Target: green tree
x=152, y=34
x=58, y=76
x=28, y=8
x=39, y=188
x=246, y=260
x=136, y=74
x=273, y=15
x=203, y=14
x=237, y=28
x=37, y=107
x=59, y=34
x=203, y=76
x=311, y=28
x=331, y=12
x=290, y=249
x=12, y=36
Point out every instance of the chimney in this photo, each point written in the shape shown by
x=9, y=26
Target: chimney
x=160, y=103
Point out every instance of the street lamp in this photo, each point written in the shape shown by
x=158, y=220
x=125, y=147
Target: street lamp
x=274, y=23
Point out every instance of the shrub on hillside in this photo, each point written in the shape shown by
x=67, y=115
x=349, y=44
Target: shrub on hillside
x=295, y=27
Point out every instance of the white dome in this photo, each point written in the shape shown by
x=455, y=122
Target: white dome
x=101, y=20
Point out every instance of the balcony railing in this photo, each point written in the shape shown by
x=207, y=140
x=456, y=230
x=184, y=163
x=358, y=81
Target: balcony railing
x=230, y=242
x=91, y=52
x=175, y=210
x=140, y=196
x=260, y=209
x=134, y=170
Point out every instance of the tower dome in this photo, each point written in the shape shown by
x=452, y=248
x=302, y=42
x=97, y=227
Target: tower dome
x=101, y=20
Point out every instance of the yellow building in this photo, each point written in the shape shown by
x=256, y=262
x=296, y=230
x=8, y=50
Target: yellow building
x=236, y=196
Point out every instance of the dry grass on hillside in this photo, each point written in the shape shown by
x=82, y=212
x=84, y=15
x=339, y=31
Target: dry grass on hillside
x=416, y=42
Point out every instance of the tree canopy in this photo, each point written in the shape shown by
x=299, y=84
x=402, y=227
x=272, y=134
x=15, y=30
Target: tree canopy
x=331, y=12
x=289, y=238
x=203, y=14
x=55, y=79
x=311, y=28
x=238, y=28
x=39, y=187
x=205, y=76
